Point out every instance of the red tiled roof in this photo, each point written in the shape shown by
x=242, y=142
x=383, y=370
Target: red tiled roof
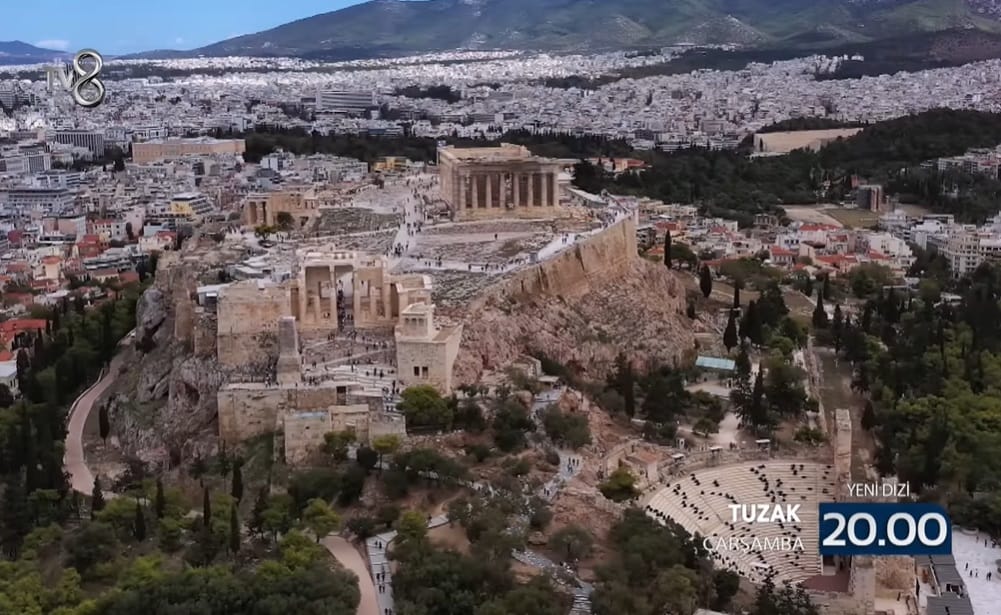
x=26, y=324
x=818, y=227
x=779, y=251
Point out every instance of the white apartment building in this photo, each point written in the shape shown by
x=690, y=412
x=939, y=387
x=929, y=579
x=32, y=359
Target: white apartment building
x=966, y=250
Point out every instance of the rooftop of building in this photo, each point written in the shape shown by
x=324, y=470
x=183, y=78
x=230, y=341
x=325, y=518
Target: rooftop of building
x=506, y=152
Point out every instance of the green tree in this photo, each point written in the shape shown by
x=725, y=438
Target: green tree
x=386, y=444
x=15, y=516
x=93, y=545
x=423, y=406
x=284, y=220
x=234, y=530
x=837, y=327
x=620, y=485
x=104, y=421
x=411, y=527
x=256, y=523
x=705, y=281
x=139, y=525
x=730, y=333
x=206, y=508
x=159, y=501
x=566, y=429
x=236, y=487
x=624, y=382
x=320, y=518
x=96, y=498
x=572, y=542
x=337, y=443
x=819, y=313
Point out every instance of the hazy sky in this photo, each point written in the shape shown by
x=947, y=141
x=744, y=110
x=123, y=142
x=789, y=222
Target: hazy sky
x=127, y=26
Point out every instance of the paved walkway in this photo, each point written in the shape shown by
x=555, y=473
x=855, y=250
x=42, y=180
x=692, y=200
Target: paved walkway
x=349, y=557
x=80, y=476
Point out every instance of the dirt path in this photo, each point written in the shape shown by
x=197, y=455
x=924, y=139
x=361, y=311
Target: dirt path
x=349, y=557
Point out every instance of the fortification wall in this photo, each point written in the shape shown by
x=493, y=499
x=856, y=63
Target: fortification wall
x=248, y=410
x=248, y=322
x=575, y=271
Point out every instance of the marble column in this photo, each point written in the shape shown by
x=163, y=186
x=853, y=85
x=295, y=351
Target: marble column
x=490, y=189
x=556, y=189
x=475, y=184
x=516, y=189
x=531, y=189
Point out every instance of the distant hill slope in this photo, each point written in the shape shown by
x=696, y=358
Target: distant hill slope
x=393, y=27
x=17, y=52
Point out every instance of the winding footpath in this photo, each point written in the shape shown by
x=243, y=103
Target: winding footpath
x=81, y=477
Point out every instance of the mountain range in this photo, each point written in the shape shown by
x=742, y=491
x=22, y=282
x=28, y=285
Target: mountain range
x=398, y=27
x=17, y=52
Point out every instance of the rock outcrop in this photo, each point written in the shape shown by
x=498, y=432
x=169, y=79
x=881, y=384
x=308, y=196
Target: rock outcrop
x=163, y=404
x=637, y=308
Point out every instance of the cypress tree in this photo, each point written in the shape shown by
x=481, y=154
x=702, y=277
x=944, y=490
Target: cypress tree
x=667, y=250
x=206, y=508
x=104, y=422
x=758, y=412
x=690, y=310
x=159, y=502
x=257, y=513
x=234, y=530
x=139, y=527
x=838, y=327
x=15, y=516
x=730, y=334
x=705, y=281
x=819, y=314
x=96, y=499
x=750, y=324
x=237, y=487
x=736, y=295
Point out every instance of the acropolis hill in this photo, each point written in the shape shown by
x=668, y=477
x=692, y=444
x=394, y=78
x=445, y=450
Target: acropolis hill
x=381, y=287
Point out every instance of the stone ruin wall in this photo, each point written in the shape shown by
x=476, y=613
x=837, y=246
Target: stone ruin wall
x=575, y=271
x=245, y=412
x=248, y=323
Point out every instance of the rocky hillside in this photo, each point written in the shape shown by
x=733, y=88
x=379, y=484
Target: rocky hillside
x=163, y=404
x=581, y=308
x=640, y=312
x=398, y=27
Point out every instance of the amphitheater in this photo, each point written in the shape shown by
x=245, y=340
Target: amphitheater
x=698, y=502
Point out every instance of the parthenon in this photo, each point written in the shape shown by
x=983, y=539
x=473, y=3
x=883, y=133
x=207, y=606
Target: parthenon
x=495, y=182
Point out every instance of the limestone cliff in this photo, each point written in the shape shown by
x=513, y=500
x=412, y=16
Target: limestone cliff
x=163, y=404
x=580, y=308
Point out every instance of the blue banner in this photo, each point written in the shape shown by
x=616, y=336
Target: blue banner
x=884, y=529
